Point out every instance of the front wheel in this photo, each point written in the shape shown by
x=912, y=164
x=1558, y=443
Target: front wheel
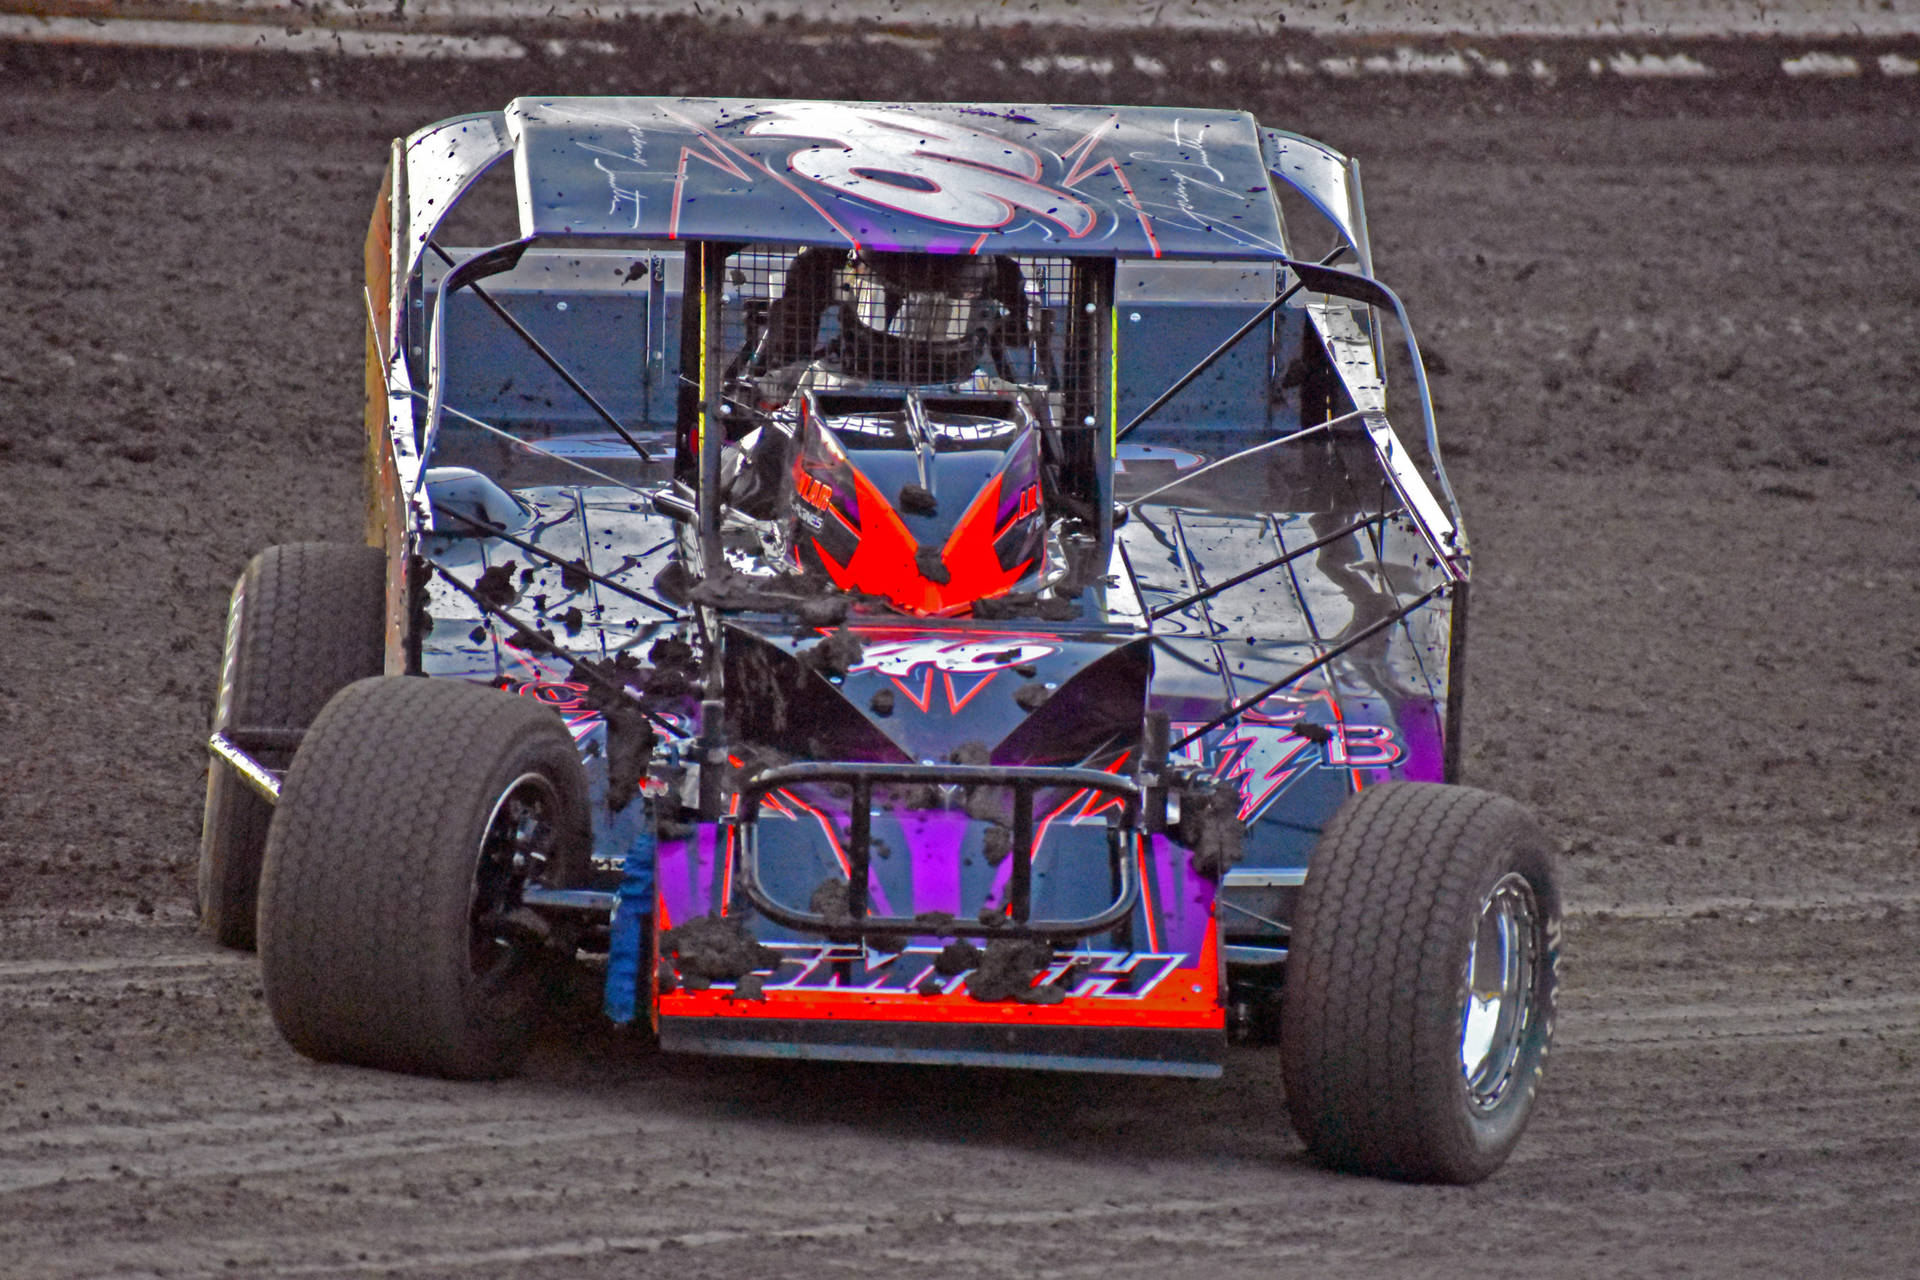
x=305, y=620
x=1421, y=977
x=392, y=932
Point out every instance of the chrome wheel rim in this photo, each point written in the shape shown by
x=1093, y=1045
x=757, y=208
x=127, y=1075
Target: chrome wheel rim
x=513, y=854
x=1502, y=982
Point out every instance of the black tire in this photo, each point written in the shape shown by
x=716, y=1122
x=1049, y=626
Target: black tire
x=1409, y=885
x=390, y=930
x=305, y=620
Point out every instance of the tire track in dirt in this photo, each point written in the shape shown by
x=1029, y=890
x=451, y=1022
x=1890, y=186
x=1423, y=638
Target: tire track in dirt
x=1664, y=1026
x=230, y=1144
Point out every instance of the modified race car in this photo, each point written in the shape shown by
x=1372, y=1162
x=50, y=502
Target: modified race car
x=915, y=583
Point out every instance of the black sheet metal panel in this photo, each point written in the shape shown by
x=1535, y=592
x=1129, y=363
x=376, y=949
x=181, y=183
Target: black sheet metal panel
x=1126, y=182
x=1113, y=1050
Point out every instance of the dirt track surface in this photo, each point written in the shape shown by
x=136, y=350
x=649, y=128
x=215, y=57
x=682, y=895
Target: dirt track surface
x=1682, y=388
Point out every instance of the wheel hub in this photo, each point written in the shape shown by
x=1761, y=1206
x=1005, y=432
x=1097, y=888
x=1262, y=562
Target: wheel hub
x=1502, y=980
x=512, y=854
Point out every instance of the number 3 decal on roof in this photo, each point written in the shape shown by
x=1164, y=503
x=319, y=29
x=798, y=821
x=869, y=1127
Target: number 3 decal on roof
x=928, y=168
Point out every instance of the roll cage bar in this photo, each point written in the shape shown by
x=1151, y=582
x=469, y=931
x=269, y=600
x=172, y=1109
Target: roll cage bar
x=713, y=406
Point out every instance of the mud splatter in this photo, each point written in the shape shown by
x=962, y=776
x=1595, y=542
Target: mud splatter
x=970, y=753
x=495, y=587
x=573, y=620
x=1007, y=969
x=956, y=958
x=573, y=576
x=917, y=501
x=754, y=758
x=829, y=899
x=1031, y=695
x=882, y=702
x=670, y=651
x=749, y=986
x=1312, y=731
x=997, y=845
x=834, y=655
x=1210, y=826
x=715, y=949
x=1026, y=604
x=931, y=566
x=824, y=611
x=674, y=583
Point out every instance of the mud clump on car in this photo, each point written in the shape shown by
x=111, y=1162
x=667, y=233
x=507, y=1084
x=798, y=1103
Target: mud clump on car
x=956, y=958
x=1210, y=826
x=834, y=654
x=715, y=949
x=1031, y=695
x=495, y=587
x=996, y=845
x=881, y=703
x=932, y=567
x=746, y=759
x=829, y=901
x=915, y=500
x=748, y=986
x=1007, y=969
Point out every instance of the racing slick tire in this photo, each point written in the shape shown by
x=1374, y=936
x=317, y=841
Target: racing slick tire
x=305, y=620
x=1420, y=981
x=392, y=931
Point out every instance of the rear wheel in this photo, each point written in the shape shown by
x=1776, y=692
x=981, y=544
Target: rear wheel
x=304, y=621
x=392, y=932
x=1420, y=983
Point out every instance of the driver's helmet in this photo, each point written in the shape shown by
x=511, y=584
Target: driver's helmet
x=923, y=314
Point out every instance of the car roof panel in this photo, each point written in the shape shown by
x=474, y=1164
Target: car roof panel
x=1117, y=182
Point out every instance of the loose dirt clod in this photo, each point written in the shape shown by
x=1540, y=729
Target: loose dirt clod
x=1007, y=969
x=1210, y=826
x=715, y=949
x=670, y=651
x=495, y=587
x=829, y=899
x=835, y=654
x=1031, y=695
x=749, y=986
x=996, y=846
x=881, y=702
x=917, y=501
x=956, y=958
x=931, y=566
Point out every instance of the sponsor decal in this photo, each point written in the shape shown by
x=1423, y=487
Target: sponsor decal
x=851, y=967
x=933, y=169
x=1274, y=743
x=964, y=667
x=901, y=657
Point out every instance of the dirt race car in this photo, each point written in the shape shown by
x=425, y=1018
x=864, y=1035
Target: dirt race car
x=904, y=583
